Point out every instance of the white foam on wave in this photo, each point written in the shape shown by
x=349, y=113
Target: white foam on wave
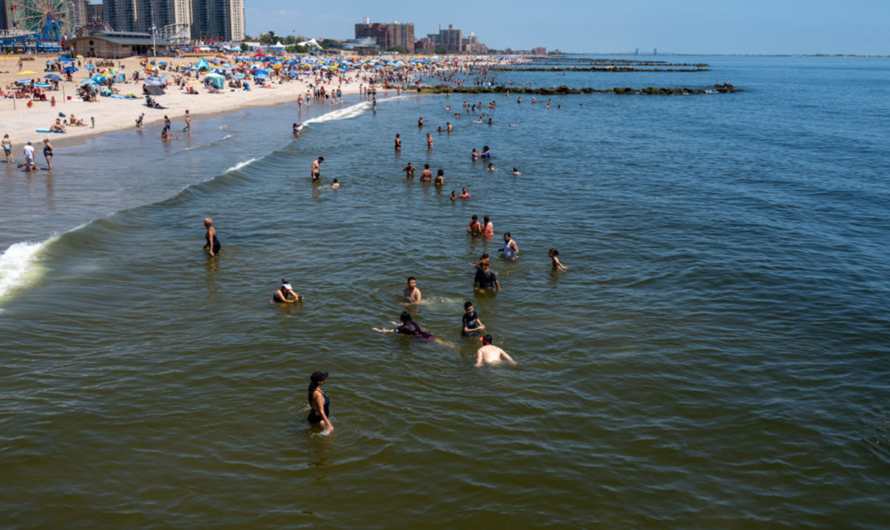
x=239, y=165
x=340, y=114
x=18, y=266
x=226, y=137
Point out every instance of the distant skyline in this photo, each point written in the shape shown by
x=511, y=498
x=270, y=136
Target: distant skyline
x=683, y=26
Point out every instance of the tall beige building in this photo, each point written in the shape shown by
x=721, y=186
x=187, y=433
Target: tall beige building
x=209, y=19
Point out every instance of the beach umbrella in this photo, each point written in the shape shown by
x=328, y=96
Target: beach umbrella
x=26, y=72
x=23, y=82
x=156, y=81
x=71, y=69
x=89, y=67
x=88, y=82
x=42, y=85
x=54, y=77
x=66, y=60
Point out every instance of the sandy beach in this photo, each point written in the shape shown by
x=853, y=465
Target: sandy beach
x=22, y=122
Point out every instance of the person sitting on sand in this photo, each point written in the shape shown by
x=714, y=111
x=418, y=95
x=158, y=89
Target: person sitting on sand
x=286, y=295
x=58, y=127
x=491, y=354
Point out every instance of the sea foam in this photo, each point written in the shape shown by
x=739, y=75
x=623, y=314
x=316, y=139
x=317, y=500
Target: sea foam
x=18, y=266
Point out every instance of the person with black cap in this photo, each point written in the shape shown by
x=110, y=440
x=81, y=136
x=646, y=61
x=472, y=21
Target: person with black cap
x=491, y=354
x=319, y=403
x=286, y=295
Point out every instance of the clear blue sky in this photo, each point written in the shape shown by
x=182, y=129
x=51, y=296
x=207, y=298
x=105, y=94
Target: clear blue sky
x=679, y=26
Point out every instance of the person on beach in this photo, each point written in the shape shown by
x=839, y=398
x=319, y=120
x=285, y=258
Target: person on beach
x=319, y=402
x=407, y=327
x=139, y=120
x=92, y=122
x=412, y=293
x=440, y=178
x=491, y=354
x=409, y=171
x=188, y=122
x=474, y=228
x=167, y=123
x=316, y=169
x=165, y=135
x=471, y=325
x=429, y=141
x=213, y=245
x=398, y=143
x=28, y=151
x=554, y=260
x=48, y=154
x=486, y=279
x=7, y=149
x=286, y=294
x=511, y=249
x=426, y=175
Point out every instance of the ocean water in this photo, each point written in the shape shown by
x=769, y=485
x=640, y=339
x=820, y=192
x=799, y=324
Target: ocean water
x=715, y=356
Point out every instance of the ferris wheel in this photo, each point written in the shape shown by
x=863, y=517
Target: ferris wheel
x=51, y=19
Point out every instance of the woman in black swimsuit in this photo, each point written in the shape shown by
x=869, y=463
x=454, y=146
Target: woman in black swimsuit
x=48, y=154
x=319, y=403
x=407, y=327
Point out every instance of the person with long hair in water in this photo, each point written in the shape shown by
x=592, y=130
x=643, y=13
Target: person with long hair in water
x=407, y=327
x=213, y=245
x=319, y=402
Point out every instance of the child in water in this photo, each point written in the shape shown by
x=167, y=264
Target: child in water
x=554, y=259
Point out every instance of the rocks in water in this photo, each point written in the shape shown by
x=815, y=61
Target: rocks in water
x=562, y=90
x=726, y=88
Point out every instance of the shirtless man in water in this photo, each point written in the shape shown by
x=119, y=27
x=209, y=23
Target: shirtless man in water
x=316, y=169
x=491, y=354
x=412, y=293
x=426, y=175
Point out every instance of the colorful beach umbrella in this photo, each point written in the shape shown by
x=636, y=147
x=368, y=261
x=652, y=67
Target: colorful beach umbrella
x=26, y=72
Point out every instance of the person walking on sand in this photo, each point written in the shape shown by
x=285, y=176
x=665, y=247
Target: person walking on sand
x=48, y=154
x=319, y=403
x=188, y=122
x=7, y=149
x=491, y=354
x=213, y=245
x=316, y=169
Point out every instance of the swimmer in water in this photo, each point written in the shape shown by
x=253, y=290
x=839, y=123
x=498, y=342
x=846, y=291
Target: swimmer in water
x=407, y=327
x=448, y=126
x=516, y=172
x=490, y=122
x=474, y=228
x=296, y=130
x=213, y=245
x=511, y=249
x=335, y=185
x=409, y=170
x=490, y=166
x=412, y=293
x=464, y=194
x=491, y=354
x=484, y=258
x=554, y=260
x=398, y=143
x=474, y=155
x=440, y=179
x=420, y=121
x=316, y=169
x=429, y=141
x=319, y=403
x=471, y=325
x=486, y=152
x=487, y=226
x=486, y=279
x=426, y=175
x=286, y=295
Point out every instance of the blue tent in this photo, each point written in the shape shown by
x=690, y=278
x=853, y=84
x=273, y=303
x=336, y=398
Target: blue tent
x=202, y=65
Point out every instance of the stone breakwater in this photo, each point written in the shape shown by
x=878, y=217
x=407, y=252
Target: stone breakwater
x=564, y=90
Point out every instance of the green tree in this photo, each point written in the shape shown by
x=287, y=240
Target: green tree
x=400, y=49
x=243, y=47
x=441, y=51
